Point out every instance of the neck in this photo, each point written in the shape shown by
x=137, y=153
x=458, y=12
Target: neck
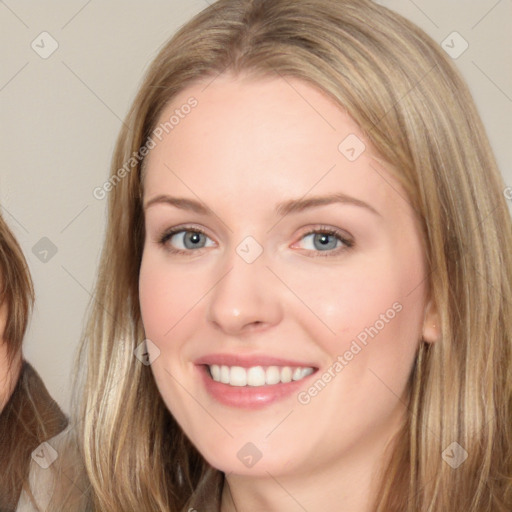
x=9, y=373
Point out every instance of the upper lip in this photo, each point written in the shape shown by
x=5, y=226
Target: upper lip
x=249, y=361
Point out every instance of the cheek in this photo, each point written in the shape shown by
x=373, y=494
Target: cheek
x=346, y=301
x=164, y=301
x=165, y=295
x=154, y=297
x=371, y=315
x=376, y=314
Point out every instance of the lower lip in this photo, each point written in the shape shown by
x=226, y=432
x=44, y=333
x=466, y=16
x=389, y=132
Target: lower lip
x=249, y=397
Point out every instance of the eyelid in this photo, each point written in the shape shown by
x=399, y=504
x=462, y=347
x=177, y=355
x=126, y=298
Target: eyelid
x=342, y=235
x=169, y=233
x=323, y=228
x=185, y=227
x=346, y=238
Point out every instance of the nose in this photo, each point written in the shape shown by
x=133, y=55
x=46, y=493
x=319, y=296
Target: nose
x=246, y=298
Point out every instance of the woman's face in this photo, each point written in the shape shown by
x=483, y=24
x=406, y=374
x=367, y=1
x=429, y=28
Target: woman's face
x=283, y=283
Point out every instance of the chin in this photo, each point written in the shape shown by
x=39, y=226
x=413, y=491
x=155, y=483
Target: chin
x=248, y=458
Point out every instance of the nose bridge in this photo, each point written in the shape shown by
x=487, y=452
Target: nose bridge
x=247, y=294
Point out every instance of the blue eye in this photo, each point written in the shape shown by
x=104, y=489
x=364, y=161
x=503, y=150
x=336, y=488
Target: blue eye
x=189, y=239
x=323, y=241
x=327, y=241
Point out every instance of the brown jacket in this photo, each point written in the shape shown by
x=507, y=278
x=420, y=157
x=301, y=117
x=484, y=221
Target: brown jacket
x=29, y=418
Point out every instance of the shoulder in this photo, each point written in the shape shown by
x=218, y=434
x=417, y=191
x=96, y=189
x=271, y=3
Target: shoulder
x=55, y=477
x=29, y=418
x=37, y=492
x=35, y=407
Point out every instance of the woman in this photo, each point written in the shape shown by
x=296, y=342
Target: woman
x=28, y=414
x=231, y=365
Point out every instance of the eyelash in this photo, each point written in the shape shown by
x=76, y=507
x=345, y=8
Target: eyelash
x=324, y=230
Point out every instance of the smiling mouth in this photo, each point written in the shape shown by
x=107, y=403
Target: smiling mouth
x=256, y=376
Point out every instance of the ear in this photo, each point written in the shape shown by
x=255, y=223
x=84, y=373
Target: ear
x=431, y=325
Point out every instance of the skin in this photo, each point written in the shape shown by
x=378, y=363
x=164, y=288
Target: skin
x=248, y=145
x=9, y=370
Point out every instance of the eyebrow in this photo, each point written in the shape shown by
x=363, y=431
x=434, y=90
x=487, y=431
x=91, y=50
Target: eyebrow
x=283, y=208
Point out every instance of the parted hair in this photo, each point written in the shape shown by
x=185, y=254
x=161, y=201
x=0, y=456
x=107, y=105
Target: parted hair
x=416, y=110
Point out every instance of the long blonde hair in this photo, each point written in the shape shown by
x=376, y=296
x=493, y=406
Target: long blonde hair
x=412, y=104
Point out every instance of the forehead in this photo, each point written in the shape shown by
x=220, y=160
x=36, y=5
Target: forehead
x=251, y=138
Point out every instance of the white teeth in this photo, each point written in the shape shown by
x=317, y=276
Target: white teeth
x=215, y=369
x=257, y=375
x=273, y=375
x=224, y=374
x=237, y=376
x=297, y=374
x=286, y=374
x=306, y=372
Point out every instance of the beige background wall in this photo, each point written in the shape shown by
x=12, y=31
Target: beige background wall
x=60, y=115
